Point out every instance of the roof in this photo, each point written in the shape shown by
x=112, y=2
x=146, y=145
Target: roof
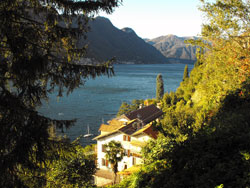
x=103, y=135
x=137, y=124
x=147, y=130
x=146, y=114
x=129, y=128
x=113, y=125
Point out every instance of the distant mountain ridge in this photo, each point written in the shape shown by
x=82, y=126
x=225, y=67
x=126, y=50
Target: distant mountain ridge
x=174, y=48
x=106, y=41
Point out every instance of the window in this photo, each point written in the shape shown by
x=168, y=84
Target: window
x=103, y=148
x=128, y=153
x=129, y=138
x=126, y=138
x=107, y=163
x=103, y=162
x=134, y=161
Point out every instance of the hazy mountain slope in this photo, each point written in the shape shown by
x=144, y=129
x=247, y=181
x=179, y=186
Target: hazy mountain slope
x=106, y=41
x=174, y=48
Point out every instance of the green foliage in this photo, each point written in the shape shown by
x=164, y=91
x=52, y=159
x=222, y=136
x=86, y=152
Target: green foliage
x=156, y=149
x=148, y=176
x=73, y=170
x=89, y=152
x=178, y=122
x=204, y=134
x=225, y=18
x=38, y=53
x=217, y=154
x=126, y=108
x=150, y=101
x=69, y=166
x=169, y=100
x=185, y=73
x=159, y=87
x=220, y=186
x=114, y=154
x=199, y=57
x=166, y=100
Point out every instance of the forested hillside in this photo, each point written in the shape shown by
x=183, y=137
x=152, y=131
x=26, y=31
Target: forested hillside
x=205, y=132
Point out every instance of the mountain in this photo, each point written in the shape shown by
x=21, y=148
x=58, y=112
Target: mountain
x=174, y=48
x=106, y=41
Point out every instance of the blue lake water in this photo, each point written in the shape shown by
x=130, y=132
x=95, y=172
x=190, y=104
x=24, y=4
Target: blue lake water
x=99, y=99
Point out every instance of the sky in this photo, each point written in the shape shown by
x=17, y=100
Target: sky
x=154, y=18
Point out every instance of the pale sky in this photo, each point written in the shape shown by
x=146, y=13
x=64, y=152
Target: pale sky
x=154, y=18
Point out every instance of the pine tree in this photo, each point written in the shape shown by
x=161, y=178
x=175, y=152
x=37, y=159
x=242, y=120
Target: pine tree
x=185, y=73
x=159, y=87
x=38, y=53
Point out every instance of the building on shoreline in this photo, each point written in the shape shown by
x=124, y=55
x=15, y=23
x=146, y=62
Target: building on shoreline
x=133, y=130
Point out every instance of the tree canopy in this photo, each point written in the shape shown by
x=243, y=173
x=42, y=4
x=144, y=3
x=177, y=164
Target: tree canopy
x=38, y=56
x=125, y=108
x=204, y=133
x=114, y=154
x=159, y=87
x=185, y=73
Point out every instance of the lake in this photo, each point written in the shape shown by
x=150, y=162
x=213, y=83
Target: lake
x=99, y=100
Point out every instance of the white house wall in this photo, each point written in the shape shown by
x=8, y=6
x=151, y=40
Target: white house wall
x=102, y=141
x=143, y=137
x=125, y=144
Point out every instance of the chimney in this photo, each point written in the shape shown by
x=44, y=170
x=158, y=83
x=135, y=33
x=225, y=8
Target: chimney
x=134, y=125
x=139, y=116
x=138, y=126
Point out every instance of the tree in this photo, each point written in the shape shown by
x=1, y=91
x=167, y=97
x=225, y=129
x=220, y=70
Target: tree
x=38, y=54
x=136, y=104
x=208, y=133
x=114, y=154
x=159, y=87
x=73, y=170
x=124, y=108
x=227, y=30
x=185, y=73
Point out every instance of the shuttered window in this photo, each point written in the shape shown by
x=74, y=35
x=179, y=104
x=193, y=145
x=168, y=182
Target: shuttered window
x=107, y=163
x=128, y=153
x=103, y=162
x=124, y=137
x=134, y=161
x=129, y=138
x=103, y=148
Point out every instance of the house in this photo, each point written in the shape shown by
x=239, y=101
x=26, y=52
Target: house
x=133, y=130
